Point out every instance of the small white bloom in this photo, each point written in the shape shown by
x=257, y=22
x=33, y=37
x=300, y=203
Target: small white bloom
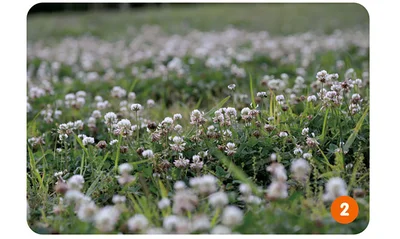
x=245, y=189
x=76, y=182
x=298, y=151
x=132, y=95
x=305, y=131
x=307, y=155
x=125, y=168
x=311, y=98
x=280, y=98
x=200, y=223
x=262, y=94
x=179, y=185
x=87, y=211
x=232, y=216
x=164, y=203
x=118, y=199
x=218, y=199
x=87, y=140
x=230, y=148
x=334, y=188
x=277, y=190
x=150, y=103
x=137, y=223
x=148, y=153
x=300, y=169
x=106, y=218
x=177, y=116
x=283, y=134
x=231, y=86
x=114, y=141
x=136, y=107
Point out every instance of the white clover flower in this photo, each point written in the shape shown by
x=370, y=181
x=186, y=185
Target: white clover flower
x=251, y=199
x=181, y=162
x=87, y=211
x=245, y=111
x=76, y=182
x=178, y=128
x=277, y=190
x=57, y=114
x=125, y=168
x=321, y=76
x=110, y=118
x=184, y=201
x=245, y=189
x=118, y=92
x=175, y=223
x=164, y=203
x=92, y=122
x=197, y=163
x=132, y=95
x=80, y=93
x=218, y=199
x=136, y=107
x=98, y=98
x=283, y=134
x=179, y=185
x=307, y=155
x=197, y=117
x=87, y=140
x=205, y=184
x=150, y=103
x=232, y=216
x=298, y=151
x=148, y=154
x=231, y=86
x=230, y=148
x=124, y=123
x=69, y=97
x=137, y=223
x=106, y=218
x=118, y=199
x=262, y=94
x=358, y=82
x=300, y=169
x=280, y=99
x=171, y=222
x=73, y=196
x=177, y=116
x=167, y=120
x=114, y=141
x=334, y=188
x=179, y=144
x=200, y=223
x=278, y=171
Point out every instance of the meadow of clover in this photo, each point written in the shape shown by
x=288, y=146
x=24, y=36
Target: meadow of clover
x=216, y=118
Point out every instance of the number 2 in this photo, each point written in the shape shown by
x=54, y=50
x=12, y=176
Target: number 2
x=344, y=213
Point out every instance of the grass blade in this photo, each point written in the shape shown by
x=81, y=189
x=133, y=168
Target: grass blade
x=353, y=135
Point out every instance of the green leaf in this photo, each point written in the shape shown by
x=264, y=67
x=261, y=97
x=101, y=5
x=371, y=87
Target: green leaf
x=353, y=135
x=93, y=185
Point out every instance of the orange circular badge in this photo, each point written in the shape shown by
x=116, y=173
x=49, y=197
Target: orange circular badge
x=344, y=209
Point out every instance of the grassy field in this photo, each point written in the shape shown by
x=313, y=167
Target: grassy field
x=214, y=118
x=277, y=19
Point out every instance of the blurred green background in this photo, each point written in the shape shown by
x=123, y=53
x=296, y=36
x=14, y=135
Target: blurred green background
x=277, y=19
